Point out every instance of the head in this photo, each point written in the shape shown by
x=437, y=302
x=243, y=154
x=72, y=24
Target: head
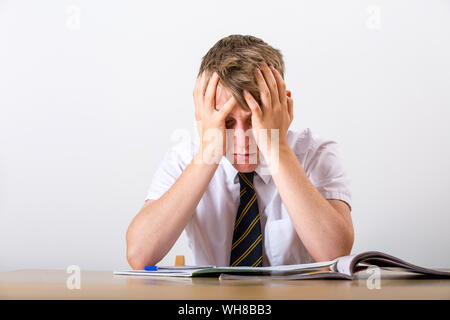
x=234, y=58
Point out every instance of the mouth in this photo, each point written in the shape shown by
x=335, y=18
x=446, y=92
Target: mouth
x=243, y=155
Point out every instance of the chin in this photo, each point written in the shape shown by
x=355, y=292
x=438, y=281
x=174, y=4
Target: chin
x=244, y=164
x=245, y=167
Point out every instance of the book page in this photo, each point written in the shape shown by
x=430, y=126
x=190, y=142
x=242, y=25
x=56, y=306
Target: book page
x=344, y=265
x=350, y=264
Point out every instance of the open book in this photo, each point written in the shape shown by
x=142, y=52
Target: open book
x=341, y=268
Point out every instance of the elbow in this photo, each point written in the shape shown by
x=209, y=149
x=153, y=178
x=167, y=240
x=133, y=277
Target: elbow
x=347, y=244
x=142, y=252
x=135, y=259
x=343, y=249
x=138, y=257
x=135, y=256
x=351, y=240
x=139, y=251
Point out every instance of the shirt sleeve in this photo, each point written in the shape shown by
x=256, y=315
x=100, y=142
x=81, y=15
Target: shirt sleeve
x=167, y=173
x=328, y=174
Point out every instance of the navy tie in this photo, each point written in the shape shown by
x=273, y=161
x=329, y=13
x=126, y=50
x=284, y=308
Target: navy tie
x=246, y=248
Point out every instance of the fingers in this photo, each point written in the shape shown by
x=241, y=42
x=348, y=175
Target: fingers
x=204, y=92
x=271, y=83
x=281, y=85
x=202, y=84
x=195, y=94
x=227, y=107
x=290, y=107
x=211, y=89
x=196, y=86
x=254, y=106
x=264, y=91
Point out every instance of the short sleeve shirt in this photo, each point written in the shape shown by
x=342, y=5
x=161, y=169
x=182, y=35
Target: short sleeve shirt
x=210, y=230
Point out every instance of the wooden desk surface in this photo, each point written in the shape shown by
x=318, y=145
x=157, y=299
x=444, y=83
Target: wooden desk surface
x=51, y=284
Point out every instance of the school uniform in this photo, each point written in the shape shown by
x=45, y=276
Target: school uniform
x=212, y=232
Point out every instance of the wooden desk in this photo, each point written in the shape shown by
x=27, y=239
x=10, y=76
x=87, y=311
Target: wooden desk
x=51, y=284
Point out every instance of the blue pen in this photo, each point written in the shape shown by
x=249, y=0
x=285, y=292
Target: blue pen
x=151, y=268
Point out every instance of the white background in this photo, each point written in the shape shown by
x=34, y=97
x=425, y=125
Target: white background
x=87, y=111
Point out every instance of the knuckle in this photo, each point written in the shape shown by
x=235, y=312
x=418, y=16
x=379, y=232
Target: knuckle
x=265, y=95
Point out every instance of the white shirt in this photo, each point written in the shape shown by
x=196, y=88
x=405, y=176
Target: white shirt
x=210, y=231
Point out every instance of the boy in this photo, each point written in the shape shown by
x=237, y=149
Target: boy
x=237, y=212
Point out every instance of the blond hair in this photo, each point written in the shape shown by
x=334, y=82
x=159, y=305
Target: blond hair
x=234, y=58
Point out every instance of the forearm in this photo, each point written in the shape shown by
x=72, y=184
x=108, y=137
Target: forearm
x=157, y=226
x=324, y=231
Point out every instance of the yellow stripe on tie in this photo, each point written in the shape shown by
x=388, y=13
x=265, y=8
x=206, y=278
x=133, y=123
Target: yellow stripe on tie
x=246, y=180
x=244, y=211
x=257, y=262
x=243, y=192
x=246, y=253
x=249, y=229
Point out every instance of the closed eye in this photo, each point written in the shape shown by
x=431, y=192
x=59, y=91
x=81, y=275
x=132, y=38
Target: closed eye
x=229, y=123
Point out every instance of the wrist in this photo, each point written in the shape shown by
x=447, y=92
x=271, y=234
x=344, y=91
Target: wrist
x=268, y=150
x=276, y=156
x=207, y=156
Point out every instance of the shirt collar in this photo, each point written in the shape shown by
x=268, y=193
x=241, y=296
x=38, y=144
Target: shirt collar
x=231, y=172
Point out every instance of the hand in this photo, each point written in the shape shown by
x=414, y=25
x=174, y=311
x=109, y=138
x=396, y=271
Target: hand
x=210, y=121
x=277, y=110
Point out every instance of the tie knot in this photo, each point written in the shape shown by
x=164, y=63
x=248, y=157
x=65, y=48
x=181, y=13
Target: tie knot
x=246, y=178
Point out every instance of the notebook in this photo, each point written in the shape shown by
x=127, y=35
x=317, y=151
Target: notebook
x=344, y=267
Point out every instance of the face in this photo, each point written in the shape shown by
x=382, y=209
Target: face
x=242, y=150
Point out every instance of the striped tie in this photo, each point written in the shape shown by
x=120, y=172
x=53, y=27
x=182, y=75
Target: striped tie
x=246, y=248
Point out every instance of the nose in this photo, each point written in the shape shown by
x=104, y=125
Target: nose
x=243, y=137
x=242, y=126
